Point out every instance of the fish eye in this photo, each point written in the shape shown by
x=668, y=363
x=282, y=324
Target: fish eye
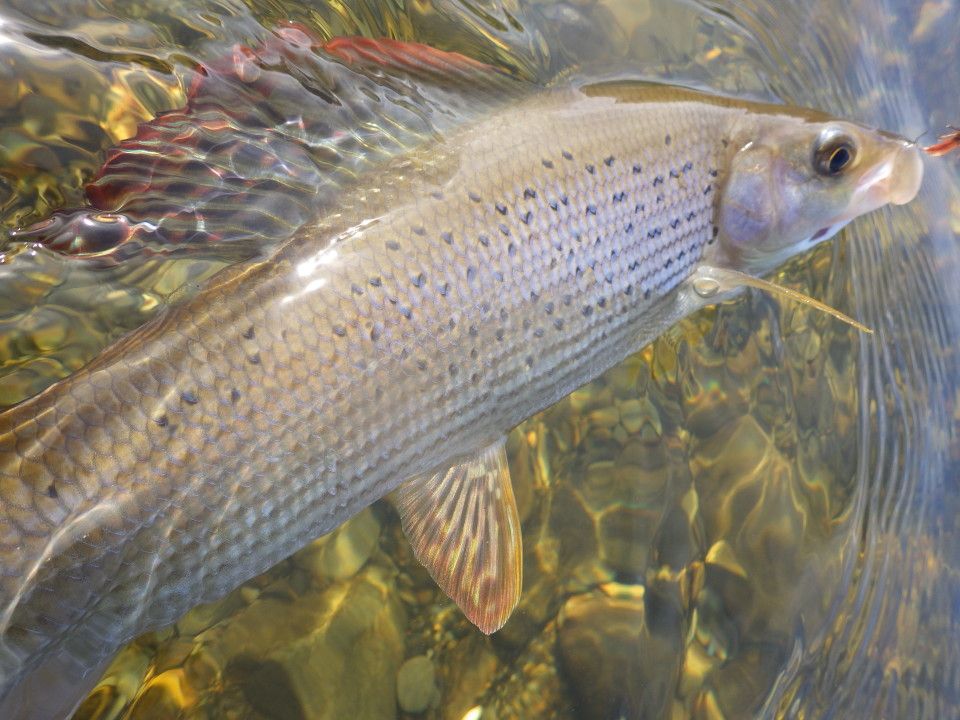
x=834, y=154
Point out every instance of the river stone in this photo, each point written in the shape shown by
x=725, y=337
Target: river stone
x=615, y=664
x=416, y=684
x=327, y=654
x=340, y=554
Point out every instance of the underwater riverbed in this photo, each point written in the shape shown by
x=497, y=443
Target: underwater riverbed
x=756, y=516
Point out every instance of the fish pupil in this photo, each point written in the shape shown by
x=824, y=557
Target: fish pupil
x=839, y=160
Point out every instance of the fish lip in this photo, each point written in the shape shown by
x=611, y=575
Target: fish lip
x=896, y=181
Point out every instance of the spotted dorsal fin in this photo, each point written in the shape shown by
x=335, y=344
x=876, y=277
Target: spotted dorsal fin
x=464, y=528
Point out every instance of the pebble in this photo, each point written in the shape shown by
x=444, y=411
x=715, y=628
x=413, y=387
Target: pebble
x=416, y=684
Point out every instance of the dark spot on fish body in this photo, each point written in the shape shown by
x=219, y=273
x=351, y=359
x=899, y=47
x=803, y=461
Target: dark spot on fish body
x=421, y=364
x=587, y=311
x=558, y=323
x=547, y=164
x=356, y=289
x=628, y=290
x=501, y=208
x=473, y=331
x=529, y=361
x=376, y=282
x=687, y=166
x=619, y=196
x=248, y=333
x=554, y=205
x=564, y=200
x=675, y=223
x=548, y=308
x=591, y=169
x=567, y=155
x=189, y=397
x=453, y=370
x=499, y=335
x=712, y=173
x=629, y=228
x=637, y=169
x=504, y=230
x=602, y=302
x=406, y=312
x=52, y=491
x=162, y=421
x=526, y=217
x=691, y=215
x=530, y=194
x=474, y=353
x=538, y=333
x=475, y=378
x=419, y=230
x=646, y=294
x=392, y=245
x=667, y=140
x=534, y=296
x=444, y=289
x=511, y=250
x=419, y=280
x=498, y=276
x=484, y=240
x=473, y=196
x=658, y=180
x=471, y=273
x=708, y=189
x=608, y=161
x=436, y=195
x=255, y=358
x=674, y=174
x=234, y=396
x=591, y=209
x=339, y=331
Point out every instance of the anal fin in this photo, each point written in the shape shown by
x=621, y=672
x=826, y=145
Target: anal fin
x=464, y=528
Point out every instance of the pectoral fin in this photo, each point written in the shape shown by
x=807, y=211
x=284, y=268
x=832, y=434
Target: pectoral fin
x=709, y=281
x=464, y=528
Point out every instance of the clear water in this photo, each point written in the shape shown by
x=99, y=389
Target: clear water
x=756, y=516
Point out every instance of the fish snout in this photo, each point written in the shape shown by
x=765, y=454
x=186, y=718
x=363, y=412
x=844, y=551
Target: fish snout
x=905, y=178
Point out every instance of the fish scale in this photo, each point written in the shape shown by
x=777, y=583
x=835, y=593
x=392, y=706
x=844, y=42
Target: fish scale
x=448, y=298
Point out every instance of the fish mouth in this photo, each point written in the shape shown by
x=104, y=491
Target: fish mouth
x=895, y=181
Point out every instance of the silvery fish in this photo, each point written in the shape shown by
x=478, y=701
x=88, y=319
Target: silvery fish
x=392, y=345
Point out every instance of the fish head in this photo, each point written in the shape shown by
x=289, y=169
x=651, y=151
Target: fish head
x=793, y=182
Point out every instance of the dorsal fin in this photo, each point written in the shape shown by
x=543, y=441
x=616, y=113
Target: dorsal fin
x=404, y=56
